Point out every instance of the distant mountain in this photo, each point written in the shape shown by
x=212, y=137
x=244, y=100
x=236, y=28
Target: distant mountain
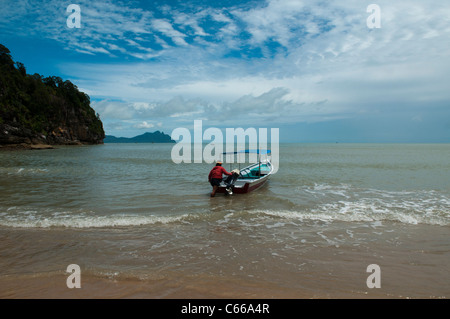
x=155, y=137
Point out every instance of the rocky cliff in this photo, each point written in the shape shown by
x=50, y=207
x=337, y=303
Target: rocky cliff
x=43, y=111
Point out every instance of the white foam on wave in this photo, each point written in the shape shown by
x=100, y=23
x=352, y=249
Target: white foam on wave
x=326, y=189
x=34, y=219
x=355, y=205
x=21, y=171
x=345, y=203
x=367, y=214
x=372, y=210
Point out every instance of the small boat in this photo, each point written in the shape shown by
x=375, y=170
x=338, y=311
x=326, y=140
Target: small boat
x=250, y=177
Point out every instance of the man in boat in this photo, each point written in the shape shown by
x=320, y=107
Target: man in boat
x=216, y=175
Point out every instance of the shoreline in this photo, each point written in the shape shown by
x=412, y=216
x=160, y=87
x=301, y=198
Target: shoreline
x=187, y=287
x=40, y=146
x=24, y=147
x=53, y=286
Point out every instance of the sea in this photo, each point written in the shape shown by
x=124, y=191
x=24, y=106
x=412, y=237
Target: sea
x=335, y=221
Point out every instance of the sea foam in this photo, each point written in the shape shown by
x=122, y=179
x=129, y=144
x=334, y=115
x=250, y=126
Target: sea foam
x=35, y=219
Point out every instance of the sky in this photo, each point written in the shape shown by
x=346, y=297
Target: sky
x=316, y=70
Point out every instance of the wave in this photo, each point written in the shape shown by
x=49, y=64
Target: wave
x=22, y=171
x=342, y=211
x=35, y=219
x=423, y=207
x=355, y=213
x=330, y=203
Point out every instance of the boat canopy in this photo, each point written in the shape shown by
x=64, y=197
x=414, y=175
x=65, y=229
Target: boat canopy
x=248, y=152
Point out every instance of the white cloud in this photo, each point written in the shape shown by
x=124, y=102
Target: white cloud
x=167, y=29
x=317, y=60
x=220, y=17
x=113, y=109
x=144, y=125
x=190, y=21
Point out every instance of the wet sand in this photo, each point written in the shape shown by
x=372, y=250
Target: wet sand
x=413, y=263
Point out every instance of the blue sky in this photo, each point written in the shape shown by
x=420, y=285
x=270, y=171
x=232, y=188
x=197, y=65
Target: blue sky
x=313, y=69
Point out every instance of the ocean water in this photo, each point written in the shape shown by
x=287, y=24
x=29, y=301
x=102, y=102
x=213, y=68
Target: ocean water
x=141, y=226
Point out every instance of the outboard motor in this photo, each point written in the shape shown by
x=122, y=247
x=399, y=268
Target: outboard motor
x=230, y=180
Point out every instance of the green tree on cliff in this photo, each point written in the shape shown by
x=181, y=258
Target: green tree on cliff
x=43, y=105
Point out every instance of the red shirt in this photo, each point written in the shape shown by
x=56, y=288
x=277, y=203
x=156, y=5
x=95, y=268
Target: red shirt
x=217, y=172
